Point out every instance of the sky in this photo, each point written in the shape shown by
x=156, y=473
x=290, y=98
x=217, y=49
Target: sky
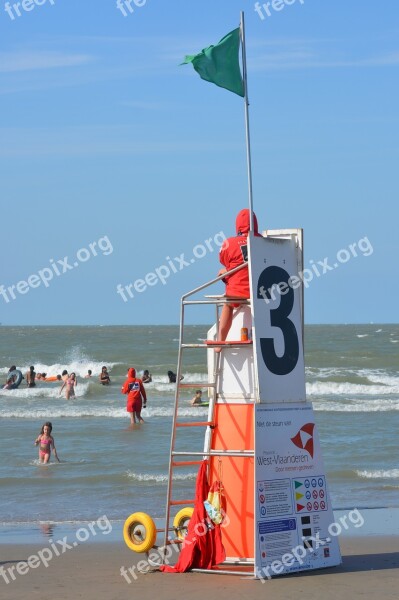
x=116, y=162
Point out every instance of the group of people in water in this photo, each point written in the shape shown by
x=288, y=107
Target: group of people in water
x=68, y=380
x=232, y=254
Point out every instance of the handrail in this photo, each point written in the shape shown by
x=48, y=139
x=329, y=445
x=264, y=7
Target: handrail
x=219, y=278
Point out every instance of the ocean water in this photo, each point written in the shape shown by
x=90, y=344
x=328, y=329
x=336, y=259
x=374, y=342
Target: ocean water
x=108, y=468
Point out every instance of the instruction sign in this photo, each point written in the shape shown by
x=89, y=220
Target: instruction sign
x=292, y=508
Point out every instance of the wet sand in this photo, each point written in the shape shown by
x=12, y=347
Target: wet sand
x=370, y=569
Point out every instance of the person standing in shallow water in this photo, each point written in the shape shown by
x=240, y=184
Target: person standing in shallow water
x=172, y=377
x=69, y=385
x=30, y=377
x=147, y=377
x=136, y=399
x=104, y=376
x=46, y=443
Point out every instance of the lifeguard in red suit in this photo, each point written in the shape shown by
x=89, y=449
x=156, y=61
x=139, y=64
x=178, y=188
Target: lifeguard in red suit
x=136, y=398
x=232, y=254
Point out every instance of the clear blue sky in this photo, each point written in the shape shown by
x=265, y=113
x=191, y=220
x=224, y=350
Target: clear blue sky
x=103, y=134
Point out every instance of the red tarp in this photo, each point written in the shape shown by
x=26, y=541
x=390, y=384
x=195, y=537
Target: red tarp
x=202, y=547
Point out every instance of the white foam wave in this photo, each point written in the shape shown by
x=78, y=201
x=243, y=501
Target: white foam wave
x=151, y=478
x=383, y=379
x=358, y=407
x=37, y=463
x=362, y=335
x=45, y=390
x=379, y=474
x=350, y=389
x=79, y=366
x=327, y=372
x=70, y=409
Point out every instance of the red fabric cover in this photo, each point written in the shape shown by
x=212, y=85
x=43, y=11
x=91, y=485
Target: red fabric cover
x=135, y=396
x=230, y=255
x=200, y=550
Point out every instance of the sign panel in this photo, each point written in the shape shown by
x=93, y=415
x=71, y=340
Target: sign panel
x=277, y=320
x=293, y=513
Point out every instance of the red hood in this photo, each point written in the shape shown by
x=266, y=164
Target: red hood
x=243, y=221
x=131, y=374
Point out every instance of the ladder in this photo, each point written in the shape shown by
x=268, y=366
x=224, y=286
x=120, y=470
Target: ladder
x=184, y=458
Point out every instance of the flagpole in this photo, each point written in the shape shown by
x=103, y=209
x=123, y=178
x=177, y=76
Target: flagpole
x=246, y=104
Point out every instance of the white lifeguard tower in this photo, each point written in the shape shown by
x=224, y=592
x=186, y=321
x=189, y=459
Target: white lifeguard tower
x=260, y=432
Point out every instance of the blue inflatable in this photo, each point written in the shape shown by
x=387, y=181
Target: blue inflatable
x=15, y=377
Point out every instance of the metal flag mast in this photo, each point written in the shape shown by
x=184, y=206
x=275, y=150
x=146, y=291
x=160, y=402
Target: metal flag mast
x=246, y=105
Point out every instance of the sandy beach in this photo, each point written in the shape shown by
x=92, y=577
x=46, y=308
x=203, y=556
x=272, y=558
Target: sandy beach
x=370, y=569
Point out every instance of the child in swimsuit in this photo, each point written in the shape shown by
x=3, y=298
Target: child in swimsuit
x=70, y=384
x=46, y=442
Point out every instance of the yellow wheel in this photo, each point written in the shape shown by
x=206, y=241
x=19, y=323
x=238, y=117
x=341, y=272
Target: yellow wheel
x=181, y=521
x=139, y=532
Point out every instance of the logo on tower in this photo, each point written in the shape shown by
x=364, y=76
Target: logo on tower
x=304, y=438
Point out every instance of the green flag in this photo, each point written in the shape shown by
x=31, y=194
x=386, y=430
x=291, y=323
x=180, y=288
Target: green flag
x=219, y=64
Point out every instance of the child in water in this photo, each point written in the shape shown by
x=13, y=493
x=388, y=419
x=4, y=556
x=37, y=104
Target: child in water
x=69, y=385
x=46, y=442
x=197, y=399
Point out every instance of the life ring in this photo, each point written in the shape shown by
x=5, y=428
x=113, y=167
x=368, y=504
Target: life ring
x=18, y=375
x=181, y=521
x=139, y=532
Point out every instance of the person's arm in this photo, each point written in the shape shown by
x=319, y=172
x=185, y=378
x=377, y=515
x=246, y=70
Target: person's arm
x=144, y=395
x=37, y=440
x=62, y=387
x=54, y=450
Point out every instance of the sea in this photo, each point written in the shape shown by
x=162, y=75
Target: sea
x=110, y=468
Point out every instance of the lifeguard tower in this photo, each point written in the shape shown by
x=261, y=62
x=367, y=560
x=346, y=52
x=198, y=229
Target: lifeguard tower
x=260, y=436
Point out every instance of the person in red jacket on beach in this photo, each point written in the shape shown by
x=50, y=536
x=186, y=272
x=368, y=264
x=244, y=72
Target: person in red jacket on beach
x=232, y=254
x=136, y=398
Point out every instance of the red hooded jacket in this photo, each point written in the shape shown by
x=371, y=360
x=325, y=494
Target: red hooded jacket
x=231, y=255
x=135, y=389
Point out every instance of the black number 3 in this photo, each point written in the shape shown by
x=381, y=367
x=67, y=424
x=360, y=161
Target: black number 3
x=279, y=365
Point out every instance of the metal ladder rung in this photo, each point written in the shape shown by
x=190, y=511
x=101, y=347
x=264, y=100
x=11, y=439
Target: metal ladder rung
x=229, y=343
x=243, y=453
x=220, y=300
x=186, y=463
x=210, y=343
x=196, y=424
x=193, y=346
x=197, y=385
